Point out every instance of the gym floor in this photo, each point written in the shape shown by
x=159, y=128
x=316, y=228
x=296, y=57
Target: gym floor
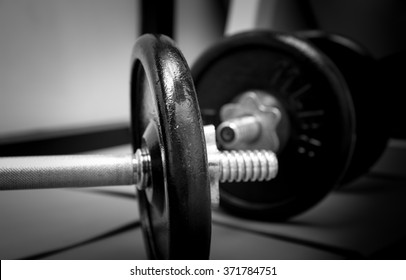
x=363, y=220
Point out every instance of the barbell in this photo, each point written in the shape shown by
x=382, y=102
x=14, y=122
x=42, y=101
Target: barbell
x=176, y=165
x=282, y=108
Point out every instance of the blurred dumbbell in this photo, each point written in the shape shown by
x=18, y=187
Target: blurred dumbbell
x=312, y=98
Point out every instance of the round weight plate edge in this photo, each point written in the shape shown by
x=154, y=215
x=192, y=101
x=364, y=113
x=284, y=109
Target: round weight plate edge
x=152, y=52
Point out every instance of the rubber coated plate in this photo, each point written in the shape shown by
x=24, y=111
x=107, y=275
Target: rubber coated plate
x=360, y=71
x=175, y=210
x=318, y=105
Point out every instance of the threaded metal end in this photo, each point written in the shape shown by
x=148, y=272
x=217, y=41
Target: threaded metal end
x=238, y=130
x=237, y=166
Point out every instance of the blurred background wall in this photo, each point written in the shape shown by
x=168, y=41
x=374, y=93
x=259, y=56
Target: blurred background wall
x=64, y=63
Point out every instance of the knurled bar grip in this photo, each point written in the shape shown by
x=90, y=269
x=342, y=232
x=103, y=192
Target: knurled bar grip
x=44, y=172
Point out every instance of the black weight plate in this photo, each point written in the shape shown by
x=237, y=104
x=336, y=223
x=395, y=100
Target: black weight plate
x=360, y=70
x=176, y=209
x=320, y=111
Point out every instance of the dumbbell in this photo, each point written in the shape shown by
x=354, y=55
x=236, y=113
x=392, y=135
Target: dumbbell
x=313, y=98
x=176, y=165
